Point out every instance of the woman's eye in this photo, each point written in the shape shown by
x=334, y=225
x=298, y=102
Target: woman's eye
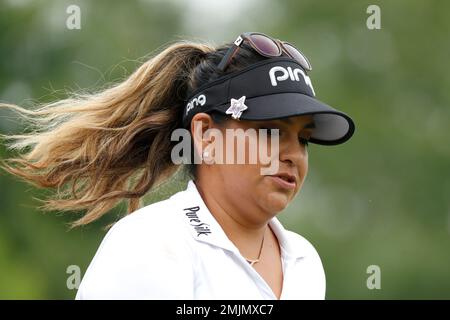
x=303, y=141
x=270, y=131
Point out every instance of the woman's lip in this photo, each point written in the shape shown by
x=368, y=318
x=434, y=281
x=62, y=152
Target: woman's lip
x=283, y=183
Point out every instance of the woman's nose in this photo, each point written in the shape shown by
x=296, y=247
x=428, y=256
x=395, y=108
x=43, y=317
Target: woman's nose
x=292, y=150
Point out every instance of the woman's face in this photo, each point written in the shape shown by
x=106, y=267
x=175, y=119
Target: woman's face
x=258, y=195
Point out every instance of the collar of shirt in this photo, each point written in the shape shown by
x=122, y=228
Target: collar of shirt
x=205, y=228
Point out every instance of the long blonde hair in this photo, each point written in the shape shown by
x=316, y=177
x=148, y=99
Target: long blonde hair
x=97, y=149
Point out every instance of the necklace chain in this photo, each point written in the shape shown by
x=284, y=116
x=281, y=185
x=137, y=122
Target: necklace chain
x=252, y=262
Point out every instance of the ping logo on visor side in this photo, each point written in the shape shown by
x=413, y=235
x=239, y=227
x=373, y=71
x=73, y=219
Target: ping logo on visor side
x=288, y=74
x=200, y=100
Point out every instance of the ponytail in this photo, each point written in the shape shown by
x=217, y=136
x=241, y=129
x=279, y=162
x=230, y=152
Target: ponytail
x=97, y=149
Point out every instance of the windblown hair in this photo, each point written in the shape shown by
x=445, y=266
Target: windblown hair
x=100, y=148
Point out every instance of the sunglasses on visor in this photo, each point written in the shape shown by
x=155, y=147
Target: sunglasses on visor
x=265, y=46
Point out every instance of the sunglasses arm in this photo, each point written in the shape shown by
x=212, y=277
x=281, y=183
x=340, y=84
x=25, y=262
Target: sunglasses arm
x=230, y=54
x=227, y=58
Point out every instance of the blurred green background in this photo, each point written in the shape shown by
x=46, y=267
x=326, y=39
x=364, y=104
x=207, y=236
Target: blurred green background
x=380, y=199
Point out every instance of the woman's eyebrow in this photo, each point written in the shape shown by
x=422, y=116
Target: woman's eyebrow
x=310, y=125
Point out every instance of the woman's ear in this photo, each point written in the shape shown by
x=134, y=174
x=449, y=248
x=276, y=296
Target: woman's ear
x=199, y=124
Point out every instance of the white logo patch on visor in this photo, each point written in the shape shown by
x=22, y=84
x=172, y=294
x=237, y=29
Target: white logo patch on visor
x=200, y=100
x=288, y=74
x=237, y=107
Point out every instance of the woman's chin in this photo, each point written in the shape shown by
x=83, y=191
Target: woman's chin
x=276, y=201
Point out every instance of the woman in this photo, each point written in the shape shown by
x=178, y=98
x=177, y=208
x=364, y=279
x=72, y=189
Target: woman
x=219, y=238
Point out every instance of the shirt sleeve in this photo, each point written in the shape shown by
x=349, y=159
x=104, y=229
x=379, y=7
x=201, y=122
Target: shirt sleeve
x=140, y=260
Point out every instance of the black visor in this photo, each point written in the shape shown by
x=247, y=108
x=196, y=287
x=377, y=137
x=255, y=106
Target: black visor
x=274, y=88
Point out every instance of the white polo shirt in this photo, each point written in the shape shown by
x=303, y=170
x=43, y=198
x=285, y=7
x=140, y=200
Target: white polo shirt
x=175, y=249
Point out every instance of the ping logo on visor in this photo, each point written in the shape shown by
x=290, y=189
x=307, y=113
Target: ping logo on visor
x=288, y=74
x=200, y=100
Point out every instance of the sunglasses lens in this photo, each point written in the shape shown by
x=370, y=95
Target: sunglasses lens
x=265, y=45
x=297, y=55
